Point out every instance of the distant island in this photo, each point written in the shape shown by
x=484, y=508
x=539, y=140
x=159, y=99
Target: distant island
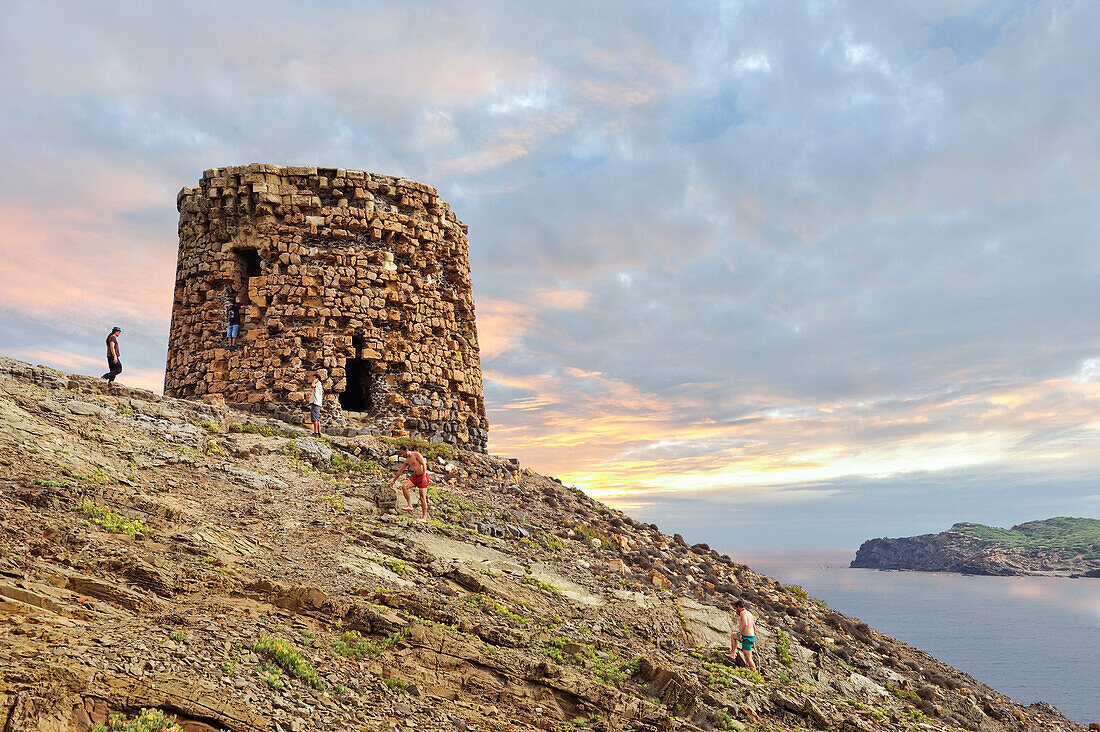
x=1061, y=546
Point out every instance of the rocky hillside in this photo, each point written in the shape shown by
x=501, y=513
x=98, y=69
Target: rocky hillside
x=1056, y=546
x=172, y=557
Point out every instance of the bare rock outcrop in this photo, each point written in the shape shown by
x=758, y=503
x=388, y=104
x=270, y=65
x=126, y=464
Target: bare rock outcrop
x=173, y=557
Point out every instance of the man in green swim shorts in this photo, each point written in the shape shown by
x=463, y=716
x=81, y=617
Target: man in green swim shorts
x=745, y=635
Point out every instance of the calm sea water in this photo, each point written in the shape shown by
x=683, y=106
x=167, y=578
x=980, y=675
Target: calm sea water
x=1032, y=638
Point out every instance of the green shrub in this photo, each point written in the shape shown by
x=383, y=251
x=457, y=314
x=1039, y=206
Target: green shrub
x=271, y=675
x=783, y=647
x=502, y=610
x=550, y=542
x=110, y=520
x=291, y=451
x=427, y=449
x=148, y=720
x=53, y=483
x=337, y=502
x=749, y=674
x=397, y=566
x=396, y=684
x=289, y=659
x=96, y=476
x=587, y=534
x=449, y=505
x=341, y=464
x=255, y=429
x=178, y=636
x=797, y=591
x=353, y=645
x=544, y=586
x=725, y=721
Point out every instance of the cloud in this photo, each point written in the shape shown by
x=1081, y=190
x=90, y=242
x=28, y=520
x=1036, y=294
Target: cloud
x=763, y=250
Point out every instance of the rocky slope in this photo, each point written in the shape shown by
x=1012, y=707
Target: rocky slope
x=1057, y=546
x=162, y=554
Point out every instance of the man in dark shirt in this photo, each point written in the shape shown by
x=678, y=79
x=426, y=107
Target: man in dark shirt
x=233, y=312
x=113, y=362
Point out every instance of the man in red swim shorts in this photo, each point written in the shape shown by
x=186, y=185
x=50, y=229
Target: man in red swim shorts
x=419, y=478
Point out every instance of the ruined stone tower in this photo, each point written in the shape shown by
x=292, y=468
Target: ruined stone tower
x=363, y=277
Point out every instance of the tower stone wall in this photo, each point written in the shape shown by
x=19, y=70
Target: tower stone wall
x=363, y=277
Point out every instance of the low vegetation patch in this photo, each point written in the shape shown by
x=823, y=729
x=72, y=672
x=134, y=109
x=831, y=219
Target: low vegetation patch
x=720, y=670
x=1068, y=535
x=354, y=645
x=747, y=674
x=429, y=450
x=544, y=586
x=148, y=720
x=797, y=591
x=396, y=684
x=449, y=505
x=337, y=502
x=586, y=533
x=783, y=647
x=725, y=721
x=285, y=655
x=606, y=666
x=256, y=429
x=51, y=483
x=341, y=464
x=111, y=521
x=397, y=566
x=97, y=477
x=502, y=610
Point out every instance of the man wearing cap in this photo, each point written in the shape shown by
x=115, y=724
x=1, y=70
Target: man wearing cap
x=233, y=312
x=113, y=362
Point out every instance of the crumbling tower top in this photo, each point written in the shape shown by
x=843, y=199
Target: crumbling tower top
x=362, y=277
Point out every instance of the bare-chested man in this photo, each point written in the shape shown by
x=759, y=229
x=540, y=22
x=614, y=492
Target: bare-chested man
x=745, y=635
x=419, y=478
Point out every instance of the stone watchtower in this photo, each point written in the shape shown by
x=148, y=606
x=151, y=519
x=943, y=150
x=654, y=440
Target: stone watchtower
x=363, y=277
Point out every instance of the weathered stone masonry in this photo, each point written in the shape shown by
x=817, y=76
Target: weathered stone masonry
x=363, y=277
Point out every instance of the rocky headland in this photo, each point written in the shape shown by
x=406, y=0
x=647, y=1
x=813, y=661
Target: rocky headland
x=176, y=557
x=1060, y=546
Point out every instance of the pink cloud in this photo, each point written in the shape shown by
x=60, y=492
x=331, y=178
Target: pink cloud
x=65, y=263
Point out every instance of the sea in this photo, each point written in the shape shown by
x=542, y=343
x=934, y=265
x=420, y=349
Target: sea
x=1031, y=638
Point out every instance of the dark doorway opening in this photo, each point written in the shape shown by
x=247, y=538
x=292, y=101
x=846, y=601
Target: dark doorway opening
x=357, y=393
x=248, y=264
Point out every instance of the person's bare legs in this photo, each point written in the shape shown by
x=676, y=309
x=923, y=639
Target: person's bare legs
x=748, y=659
x=405, y=489
x=423, y=503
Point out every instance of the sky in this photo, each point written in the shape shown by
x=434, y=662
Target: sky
x=768, y=274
